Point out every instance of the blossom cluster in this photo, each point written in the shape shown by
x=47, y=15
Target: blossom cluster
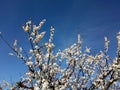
x=70, y=69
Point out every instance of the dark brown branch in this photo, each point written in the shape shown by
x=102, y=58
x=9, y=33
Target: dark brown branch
x=109, y=84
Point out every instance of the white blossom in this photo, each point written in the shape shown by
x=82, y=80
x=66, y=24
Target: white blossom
x=39, y=37
x=70, y=68
x=45, y=85
x=20, y=49
x=36, y=87
x=11, y=54
x=29, y=63
x=15, y=43
x=87, y=50
x=106, y=43
x=30, y=51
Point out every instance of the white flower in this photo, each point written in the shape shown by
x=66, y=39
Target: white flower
x=30, y=51
x=47, y=55
x=29, y=59
x=63, y=88
x=28, y=22
x=20, y=49
x=87, y=50
x=26, y=28
x=50, y=47
x=36, y=87
x=29, y=79
x=52, y=28
x=15, y=43
x=28, y=74
x=38, y=81
x=105, y=73
x=11, y=54
x=30, y=38
x=44, y=67
x=118, y=37
x=32, y=34
x=83, y=77
x=115, y=66
x=29, y=63
x=39, y=37
x=42, y=22
x=109, y=68
x=12, y=88
x=36, y=28
x=106, y=43
x=45, y=85
x=36, y=47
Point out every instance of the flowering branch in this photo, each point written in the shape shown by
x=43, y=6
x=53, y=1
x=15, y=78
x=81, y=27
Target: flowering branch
x=70, y=69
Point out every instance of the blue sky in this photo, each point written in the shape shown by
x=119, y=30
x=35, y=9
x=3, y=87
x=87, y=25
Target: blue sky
x=93, y=19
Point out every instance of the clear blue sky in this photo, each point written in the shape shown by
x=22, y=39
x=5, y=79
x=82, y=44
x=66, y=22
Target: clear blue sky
x=93, y=19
